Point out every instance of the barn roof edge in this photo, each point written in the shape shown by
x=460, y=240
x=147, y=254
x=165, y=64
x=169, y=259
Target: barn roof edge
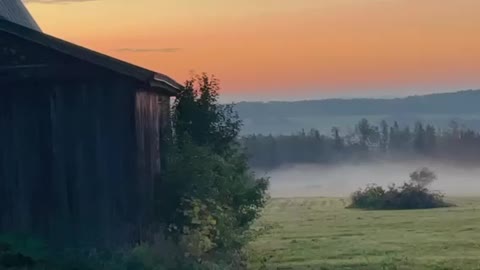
x=144, y=75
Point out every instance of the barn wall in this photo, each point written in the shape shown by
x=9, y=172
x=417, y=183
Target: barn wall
x=80, y=153
x=68, y=161
x=152, y=120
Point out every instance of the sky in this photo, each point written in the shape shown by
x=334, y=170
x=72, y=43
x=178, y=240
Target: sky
x=284, y=49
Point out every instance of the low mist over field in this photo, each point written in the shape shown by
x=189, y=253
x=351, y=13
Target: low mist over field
x=342, y=180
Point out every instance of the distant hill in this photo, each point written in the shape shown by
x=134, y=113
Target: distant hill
x=279, y=117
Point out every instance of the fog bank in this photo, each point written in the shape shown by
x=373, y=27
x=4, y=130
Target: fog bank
x=342, y=180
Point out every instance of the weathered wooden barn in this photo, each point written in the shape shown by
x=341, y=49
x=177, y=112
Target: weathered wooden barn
x=80, y=138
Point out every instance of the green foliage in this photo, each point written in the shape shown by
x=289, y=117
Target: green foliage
x=199, y=117
x=407, y=196
x=25, y=253
x=208, y=196
x=371, y=197
x=411, y=195
x=21, y=251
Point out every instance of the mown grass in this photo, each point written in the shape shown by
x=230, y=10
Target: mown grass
x=319, y=233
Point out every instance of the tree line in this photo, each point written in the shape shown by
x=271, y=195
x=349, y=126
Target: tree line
x=367, y=141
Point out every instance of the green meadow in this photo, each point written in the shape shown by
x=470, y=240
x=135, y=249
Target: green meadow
x=320, y=233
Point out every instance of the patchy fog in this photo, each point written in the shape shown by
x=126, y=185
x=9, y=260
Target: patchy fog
x=342, y=180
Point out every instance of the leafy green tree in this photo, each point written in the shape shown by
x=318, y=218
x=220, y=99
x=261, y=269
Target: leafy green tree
x=208, y=194
x=199, y=117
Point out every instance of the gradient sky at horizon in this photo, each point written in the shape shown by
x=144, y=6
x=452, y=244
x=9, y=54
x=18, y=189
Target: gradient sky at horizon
x=284, y=49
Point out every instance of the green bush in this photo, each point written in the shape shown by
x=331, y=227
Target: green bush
x=369, y=197
x=208, y=195
x=411, y=195
x=21, y=252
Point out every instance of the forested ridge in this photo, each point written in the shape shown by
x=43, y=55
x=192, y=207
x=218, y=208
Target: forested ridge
x=287, y=117
x=445, y=103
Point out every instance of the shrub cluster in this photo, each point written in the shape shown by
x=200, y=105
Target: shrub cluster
x=23, y=252
x=208, y=197
x=413, y=194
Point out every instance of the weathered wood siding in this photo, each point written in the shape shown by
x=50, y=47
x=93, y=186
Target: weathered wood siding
x=152, y=120
x=79, y=149
x=67, y=162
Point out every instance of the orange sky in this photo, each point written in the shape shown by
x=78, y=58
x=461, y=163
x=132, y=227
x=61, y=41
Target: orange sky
x=285, y=48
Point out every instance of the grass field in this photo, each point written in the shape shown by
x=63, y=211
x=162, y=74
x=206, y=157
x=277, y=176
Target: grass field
x=319, y=233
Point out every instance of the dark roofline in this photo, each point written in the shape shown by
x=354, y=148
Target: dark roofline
x=151, y=78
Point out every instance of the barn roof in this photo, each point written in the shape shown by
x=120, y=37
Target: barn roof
x=15, y=11
x=153, y=79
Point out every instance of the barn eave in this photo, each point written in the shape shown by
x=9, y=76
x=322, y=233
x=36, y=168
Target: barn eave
x=157, y=81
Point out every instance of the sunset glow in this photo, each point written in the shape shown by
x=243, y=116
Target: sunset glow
x=284, y=48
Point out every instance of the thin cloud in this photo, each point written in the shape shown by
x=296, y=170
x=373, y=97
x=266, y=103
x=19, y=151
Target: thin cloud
x=144, y=50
